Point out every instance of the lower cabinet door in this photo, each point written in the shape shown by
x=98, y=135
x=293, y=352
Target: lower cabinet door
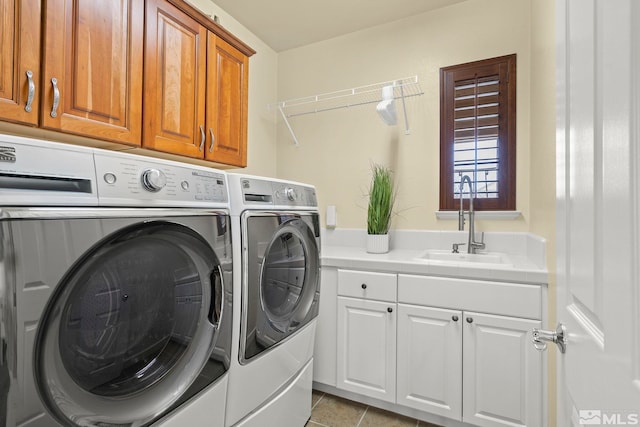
x=429, y=376
x=367, y=347
x=502, y=371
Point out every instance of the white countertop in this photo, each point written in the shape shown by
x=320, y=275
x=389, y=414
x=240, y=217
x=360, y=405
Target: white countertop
x=523, y=267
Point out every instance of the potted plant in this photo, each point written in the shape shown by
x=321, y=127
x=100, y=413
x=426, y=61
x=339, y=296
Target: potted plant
x=381, y=198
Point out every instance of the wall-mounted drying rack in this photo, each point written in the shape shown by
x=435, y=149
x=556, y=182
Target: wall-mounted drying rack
x=363, y=95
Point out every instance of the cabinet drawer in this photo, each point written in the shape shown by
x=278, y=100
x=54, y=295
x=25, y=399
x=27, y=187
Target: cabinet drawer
x=368, y=285
x=508, y=299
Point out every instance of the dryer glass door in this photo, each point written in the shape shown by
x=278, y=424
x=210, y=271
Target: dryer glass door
x=131, y=326
x=282, y=277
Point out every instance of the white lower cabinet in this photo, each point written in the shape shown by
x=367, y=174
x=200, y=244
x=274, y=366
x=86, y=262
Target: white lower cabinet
x=366, y=347
x=502, y=381
x=366, y=333
x=455, y=348
x=429, y=375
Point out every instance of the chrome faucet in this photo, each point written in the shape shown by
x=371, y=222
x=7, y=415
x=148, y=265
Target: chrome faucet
x=472, y=245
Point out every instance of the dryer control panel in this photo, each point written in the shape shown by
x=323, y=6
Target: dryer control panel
x=130, y=180
x=277, y=193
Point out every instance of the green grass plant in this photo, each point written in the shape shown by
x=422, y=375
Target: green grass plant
x=381, y=199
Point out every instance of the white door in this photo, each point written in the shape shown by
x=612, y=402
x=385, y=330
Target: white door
x=598, y=226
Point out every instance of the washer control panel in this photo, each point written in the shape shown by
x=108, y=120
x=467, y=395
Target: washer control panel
x=130, y=180
x=153, y=180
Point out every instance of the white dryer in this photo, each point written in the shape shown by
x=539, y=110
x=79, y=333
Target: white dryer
x=276, y=233
x=115, y=289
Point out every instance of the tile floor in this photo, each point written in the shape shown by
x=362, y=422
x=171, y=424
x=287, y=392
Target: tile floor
x=332, y=411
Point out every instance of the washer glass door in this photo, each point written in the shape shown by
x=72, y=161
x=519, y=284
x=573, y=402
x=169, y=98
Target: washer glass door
x=131, y=326
x=282, y=277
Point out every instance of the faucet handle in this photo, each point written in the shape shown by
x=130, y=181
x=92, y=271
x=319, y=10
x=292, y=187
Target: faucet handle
x=454, y=248
x=461, y=220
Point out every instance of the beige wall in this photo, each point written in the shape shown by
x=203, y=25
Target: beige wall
x=337, y=148
x=543, y=156
x=263, y=70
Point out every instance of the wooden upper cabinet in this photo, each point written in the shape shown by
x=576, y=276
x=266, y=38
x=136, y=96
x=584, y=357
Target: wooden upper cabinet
x=227, y=83
x=175, y=81
x=92, y=68
x=153, y=73
x=195, y=86
x=20, y=60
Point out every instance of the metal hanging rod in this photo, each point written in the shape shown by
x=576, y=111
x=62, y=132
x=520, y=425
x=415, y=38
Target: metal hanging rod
x=402, y=88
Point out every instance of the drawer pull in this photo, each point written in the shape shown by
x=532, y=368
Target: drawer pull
x=364, y=286
x=454, y=318
x=390, y=310
x=469, y=319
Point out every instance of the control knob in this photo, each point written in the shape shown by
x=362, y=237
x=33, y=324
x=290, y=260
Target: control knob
x=290, y=193
x=153, y=180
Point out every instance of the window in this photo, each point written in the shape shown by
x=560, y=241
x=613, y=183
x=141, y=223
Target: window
x=478, y=133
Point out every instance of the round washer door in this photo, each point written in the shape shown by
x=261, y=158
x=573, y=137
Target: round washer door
x=289, y=276
x=130, y=326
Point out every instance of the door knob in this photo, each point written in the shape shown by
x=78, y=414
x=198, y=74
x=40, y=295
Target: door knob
x=541, y=337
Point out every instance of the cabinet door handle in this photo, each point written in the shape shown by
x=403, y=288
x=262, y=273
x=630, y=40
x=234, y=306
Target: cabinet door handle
x=31, y=91
x=202, y=138
x=364, y=286
x=454, y=318
x=213, y=140
x=56, y=98
x=469, y=319
x=389, y=309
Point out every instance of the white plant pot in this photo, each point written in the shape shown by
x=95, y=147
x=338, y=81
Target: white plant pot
x=377, y=243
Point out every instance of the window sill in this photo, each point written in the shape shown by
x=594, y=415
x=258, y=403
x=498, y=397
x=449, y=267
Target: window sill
x=499, y=215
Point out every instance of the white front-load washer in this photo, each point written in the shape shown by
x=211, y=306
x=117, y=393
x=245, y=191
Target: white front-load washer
x=115, y=289
x=276, y=235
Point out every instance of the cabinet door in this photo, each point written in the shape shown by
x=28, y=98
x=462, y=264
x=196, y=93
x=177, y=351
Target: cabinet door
x=19, y=56
x=429, y=376
x=227, y=97
x=502, y=371
x=174, y=81
x=367, y=347
x=92, y=52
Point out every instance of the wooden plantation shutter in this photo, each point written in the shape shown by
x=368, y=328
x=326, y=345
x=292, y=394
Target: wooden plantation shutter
x=477, y=136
